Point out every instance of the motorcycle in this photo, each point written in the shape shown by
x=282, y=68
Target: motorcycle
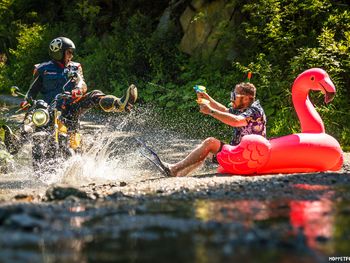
x=47, y=129
x=52, y=127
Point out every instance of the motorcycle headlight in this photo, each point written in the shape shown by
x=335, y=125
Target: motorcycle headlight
x=40, y=117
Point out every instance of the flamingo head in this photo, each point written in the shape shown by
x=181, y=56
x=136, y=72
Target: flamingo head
x=316, y=79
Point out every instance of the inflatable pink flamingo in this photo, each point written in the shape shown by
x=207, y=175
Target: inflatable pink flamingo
x=312, y=150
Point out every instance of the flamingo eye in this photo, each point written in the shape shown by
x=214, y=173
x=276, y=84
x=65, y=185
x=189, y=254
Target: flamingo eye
x=312, y=78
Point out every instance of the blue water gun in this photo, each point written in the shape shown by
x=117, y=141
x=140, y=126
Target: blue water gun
x=199, y=88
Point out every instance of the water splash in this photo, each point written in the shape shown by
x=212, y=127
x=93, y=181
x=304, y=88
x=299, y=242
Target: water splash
x=101, y=163
x=111, y=152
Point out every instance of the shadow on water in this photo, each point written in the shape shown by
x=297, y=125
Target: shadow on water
x=305, y=229
x=119, y=228
x=291, y=218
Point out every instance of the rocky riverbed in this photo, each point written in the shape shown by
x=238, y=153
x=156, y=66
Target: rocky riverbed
x=112, y=205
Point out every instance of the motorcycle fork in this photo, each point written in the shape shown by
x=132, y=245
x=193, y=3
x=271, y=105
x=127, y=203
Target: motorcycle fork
x=56, y=115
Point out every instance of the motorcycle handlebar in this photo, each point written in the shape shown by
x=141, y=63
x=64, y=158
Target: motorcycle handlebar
x=15, y=91
x=64, y=95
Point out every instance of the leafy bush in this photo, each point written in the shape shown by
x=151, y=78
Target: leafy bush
x=122, y=44
x=29, y=48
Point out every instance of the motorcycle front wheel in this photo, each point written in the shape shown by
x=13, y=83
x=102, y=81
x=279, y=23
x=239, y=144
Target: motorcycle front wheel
x=44, y=153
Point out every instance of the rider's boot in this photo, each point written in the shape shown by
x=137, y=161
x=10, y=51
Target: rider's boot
x=110, y=103
x=11, y=141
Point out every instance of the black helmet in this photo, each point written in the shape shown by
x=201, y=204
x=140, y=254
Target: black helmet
x=58, y=46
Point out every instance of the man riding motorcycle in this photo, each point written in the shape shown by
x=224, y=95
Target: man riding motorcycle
x=59, y=75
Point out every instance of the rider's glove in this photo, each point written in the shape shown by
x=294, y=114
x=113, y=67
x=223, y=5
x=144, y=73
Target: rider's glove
x=77, y=93
x=72, y=72
x=24, y=105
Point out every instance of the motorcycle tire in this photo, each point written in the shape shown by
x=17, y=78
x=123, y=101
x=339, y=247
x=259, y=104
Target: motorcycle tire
x=44, y=153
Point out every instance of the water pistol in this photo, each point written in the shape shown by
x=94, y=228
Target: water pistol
x=199, y=88
x=203, y=101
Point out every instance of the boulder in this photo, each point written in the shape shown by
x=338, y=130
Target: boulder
x=56, y=193
x=201, y=22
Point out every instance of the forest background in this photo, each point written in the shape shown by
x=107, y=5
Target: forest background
x=167, y=47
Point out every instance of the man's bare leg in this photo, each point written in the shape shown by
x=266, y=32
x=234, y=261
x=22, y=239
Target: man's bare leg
x=189, y=169
x=196, y=157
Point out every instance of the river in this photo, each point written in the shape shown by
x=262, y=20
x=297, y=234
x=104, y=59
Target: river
x=112, y=205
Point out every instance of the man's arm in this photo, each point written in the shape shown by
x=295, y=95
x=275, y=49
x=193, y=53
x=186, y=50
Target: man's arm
x=213, y=103
x=225, y=117
x=80, y=86
x=228, y=118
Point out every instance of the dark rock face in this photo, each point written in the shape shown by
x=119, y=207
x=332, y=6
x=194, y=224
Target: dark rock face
x=200, y=23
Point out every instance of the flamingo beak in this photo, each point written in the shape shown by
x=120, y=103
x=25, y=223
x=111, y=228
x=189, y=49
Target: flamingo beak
x=329, y=97
x=329, y=89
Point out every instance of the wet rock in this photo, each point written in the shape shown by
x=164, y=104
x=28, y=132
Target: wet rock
x=25, y=222
x=6, y=212
x=213, y=225
x=3, y=215
x=116, y=195
x=61, y=193
x=96, y=195
x=145, y=235
x=72, y=199
x=24, y=198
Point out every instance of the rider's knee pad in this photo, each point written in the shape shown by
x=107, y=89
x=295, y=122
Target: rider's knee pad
x=96, y=92
x=110, y=103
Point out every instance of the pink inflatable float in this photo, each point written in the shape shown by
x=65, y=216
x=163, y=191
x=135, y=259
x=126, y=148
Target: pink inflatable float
x=312, y=150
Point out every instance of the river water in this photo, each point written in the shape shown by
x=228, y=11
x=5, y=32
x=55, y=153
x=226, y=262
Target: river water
x=112, y=205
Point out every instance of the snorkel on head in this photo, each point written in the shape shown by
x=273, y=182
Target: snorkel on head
x=234, y=95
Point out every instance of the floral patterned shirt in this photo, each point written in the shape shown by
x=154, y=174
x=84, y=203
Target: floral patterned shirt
x=256, y=120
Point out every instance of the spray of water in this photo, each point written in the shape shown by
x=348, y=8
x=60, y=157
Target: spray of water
x=111, y=152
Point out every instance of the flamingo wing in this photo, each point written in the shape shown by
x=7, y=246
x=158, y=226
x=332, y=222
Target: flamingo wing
x=246, y=158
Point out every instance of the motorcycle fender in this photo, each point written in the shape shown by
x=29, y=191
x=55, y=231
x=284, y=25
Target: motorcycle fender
x=75, y=140
x=61, y=127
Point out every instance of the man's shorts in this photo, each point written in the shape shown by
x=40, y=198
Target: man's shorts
x=214, y=160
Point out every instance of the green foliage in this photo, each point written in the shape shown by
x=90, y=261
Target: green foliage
x=120, y=42
x=6, y=29
x=28, y=47
x=290, y=37
x=132, y=53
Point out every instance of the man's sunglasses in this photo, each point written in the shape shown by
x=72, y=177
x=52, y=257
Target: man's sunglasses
x=234, y=95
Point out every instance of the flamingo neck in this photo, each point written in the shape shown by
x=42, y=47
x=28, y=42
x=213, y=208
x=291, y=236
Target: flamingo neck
x=309, y=118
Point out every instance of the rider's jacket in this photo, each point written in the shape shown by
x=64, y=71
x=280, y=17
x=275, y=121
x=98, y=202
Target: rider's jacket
x=50, y=77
